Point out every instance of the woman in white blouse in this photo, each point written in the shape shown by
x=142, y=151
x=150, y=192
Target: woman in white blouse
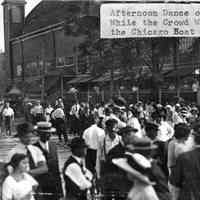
x=19, y=185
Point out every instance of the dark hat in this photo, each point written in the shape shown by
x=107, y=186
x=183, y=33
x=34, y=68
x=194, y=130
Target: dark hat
x=133, y=110
x=151, y=126
x=127, y=129
x=156, y=115
x=141, y=144
x=45, y=127
x=110, y=122
x=119, y=101
x=77, y=142
x=24, y=129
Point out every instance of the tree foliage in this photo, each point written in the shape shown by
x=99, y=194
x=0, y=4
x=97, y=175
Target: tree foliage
x=124, y=54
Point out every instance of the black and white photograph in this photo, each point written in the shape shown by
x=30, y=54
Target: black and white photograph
x=99, y=99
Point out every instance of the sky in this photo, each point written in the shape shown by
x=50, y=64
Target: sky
x=29, y=6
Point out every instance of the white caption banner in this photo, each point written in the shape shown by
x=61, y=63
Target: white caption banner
x=133, y=20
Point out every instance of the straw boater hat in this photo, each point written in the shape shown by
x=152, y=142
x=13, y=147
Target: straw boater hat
x=44, y=127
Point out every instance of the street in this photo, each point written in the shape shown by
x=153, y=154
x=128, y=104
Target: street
x=7, y=143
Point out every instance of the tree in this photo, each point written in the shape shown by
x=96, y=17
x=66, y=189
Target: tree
x=122, y=54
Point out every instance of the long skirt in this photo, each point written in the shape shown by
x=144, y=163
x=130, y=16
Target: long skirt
x=142, y=192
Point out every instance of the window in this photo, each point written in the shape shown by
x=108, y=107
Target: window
x=16, y=14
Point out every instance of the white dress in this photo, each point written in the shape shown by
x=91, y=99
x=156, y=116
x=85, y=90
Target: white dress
x=21, y=190
x=142, y=191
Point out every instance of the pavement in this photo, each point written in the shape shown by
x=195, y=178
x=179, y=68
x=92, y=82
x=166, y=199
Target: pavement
x=7, y=143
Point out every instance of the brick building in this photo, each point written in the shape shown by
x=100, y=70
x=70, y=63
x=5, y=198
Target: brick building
x=44, y=61
x=39, y=54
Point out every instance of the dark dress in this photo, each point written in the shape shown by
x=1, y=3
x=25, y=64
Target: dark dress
x=186, y=175
x=157, y=175
x=51, y=181
x=160, y=154
x=115, y=180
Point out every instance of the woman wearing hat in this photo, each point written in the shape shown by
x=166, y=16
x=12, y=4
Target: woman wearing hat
x=142, y=162
x=19, y=185
x=142, y=188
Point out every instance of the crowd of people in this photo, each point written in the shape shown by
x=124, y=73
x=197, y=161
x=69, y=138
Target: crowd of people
x=118, y=151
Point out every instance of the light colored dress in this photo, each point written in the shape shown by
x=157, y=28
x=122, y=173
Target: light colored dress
x=18, y=190
x=142, y=191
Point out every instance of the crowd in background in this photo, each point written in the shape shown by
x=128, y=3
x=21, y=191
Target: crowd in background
x=119, y=150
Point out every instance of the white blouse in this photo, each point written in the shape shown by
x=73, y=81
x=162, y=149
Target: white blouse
x=18, y=190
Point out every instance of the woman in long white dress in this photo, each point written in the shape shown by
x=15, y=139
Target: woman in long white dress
x=19, y=185
x=142, y=188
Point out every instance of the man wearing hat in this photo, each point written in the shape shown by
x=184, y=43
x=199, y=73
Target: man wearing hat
x=51, y=181
x=78, y=179
x=37, y=161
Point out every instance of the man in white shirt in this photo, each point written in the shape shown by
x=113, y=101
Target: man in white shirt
x=37, y=112
x=92, y=136
x=165, y=131
x=37, y=161
x=8, y=118
x=59, y=119
x=78, y=179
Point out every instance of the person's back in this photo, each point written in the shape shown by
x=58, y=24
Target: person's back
x=186, y=175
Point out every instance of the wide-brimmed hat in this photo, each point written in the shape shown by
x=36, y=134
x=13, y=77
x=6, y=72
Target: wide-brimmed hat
x=44, y=127
x=126, y=130
x=24, y=129
x=141, y=144
x=134, y=164
x=77, y=143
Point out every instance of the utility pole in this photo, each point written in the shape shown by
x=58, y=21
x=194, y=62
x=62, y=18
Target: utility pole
x=61, y=86
x=112, y=79
x=43, y=75
x=175, y=61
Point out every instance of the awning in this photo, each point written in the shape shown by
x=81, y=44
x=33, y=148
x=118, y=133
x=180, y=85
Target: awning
x=80, y=79
x=181, y=72
x=106, y=77
x=15, y=91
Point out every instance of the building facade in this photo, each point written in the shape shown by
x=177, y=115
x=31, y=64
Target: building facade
x=43, y=60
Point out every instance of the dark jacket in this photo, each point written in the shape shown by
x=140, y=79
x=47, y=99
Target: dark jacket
x=71, y=189
x=51, y=181
x=186, y=175
x=115, y=179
